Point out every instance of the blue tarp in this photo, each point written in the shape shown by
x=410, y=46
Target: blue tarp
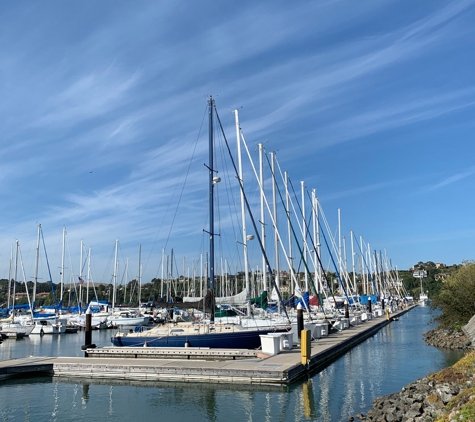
x=24, y=306
x=364, y=299
x=303, y=300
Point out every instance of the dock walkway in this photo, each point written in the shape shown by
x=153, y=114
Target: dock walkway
x=197, y=365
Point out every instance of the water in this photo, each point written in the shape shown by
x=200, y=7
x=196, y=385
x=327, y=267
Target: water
x=383, y=364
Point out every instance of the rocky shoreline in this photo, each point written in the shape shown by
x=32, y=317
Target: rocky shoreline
x=448, y=339
x=441, y=396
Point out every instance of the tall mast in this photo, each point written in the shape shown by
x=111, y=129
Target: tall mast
x=62, y=264
x=15, y=279
x=263, y=215
x=36, y=264
x=10, y=278
x=140, y=274
x=243, y=213
x=163, y=273
x=353, y=263
x=211, y=205
x=126, y=278
x=289, y=232
x=276, y=235
x=80, y=275
x=88, y=276
x=304, y=233
x=116, y=264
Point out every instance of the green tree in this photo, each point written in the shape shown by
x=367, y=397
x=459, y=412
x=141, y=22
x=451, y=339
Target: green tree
x=456, y=299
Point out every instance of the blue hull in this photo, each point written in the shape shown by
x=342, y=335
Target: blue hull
x=232, y=340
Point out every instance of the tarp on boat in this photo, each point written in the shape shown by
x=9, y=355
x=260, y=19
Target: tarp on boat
x=364, y=299
x=304, y=300
x=261, y=300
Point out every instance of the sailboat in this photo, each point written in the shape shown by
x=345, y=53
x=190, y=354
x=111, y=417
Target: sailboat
x=423, y=297
x=229, y=336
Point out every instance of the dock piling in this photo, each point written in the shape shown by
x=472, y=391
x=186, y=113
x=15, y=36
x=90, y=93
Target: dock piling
x=88, y=333
x=300, y=325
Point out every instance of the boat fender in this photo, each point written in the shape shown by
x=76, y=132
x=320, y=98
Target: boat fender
x=41, y=332
x=145, y=344
x=88, y=346
x=187, y=344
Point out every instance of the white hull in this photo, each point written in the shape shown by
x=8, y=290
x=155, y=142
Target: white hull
x=48, y=327
x=80, y=322
x=424, y=300
x=119, y=322
x=16, y=328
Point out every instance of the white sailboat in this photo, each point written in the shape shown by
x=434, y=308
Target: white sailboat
x=423, y=297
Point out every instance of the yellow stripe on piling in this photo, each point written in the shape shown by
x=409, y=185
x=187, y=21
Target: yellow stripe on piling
x=305, y=346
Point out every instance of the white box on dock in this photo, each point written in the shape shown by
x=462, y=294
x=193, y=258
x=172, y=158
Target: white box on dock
x=270, y=343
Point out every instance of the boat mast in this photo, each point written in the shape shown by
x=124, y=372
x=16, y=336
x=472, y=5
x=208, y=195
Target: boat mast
x=276, y=234
x=16, y=275
x=243, y=214
x=126, y=279
x=10, y=278
x=211, y=205
x=88, y=276
x=289, y=234
x=163, y=272
x=263, y=216
x=62, y=265
x=80, y=282
x=36, y=264
x=140, y=275
x=116, y=264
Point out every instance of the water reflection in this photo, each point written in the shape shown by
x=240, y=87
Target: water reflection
x=308, y=400
x=85, y=394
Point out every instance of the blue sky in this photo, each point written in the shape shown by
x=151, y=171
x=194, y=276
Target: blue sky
x=369, y=102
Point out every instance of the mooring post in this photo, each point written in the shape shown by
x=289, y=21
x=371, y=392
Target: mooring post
x=299, y=320
x=369, y=306
x=347, y=311
x=305, y=347
x=87, y=332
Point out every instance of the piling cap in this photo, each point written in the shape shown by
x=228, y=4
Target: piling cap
x=299, y=306
x=88, y=311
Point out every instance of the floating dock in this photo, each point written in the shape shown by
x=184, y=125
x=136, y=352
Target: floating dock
x=194, y=365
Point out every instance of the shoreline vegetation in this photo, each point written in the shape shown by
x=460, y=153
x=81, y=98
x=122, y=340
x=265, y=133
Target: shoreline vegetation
x=447, y=395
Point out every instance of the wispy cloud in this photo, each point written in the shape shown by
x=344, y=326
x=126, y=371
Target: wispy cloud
x=89, y=96
x=452, y=179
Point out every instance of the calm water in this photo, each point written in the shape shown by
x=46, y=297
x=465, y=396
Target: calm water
x=381, y=365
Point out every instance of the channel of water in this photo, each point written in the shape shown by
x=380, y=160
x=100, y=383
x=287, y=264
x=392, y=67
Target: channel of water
x=383, y=364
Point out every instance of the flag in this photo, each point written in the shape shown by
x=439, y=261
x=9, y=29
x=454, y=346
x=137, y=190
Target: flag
x=80, y=281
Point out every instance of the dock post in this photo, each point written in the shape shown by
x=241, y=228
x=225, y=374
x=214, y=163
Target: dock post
x=299, y=320
x=347, y=312
x=305, y=347
x=369, y=306
x=387, y=313
x=88, y=333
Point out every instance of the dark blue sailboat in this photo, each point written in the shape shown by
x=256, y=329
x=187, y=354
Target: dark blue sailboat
x=228, y=336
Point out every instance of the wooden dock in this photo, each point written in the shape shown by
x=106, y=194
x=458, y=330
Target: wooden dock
x=193, y=365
